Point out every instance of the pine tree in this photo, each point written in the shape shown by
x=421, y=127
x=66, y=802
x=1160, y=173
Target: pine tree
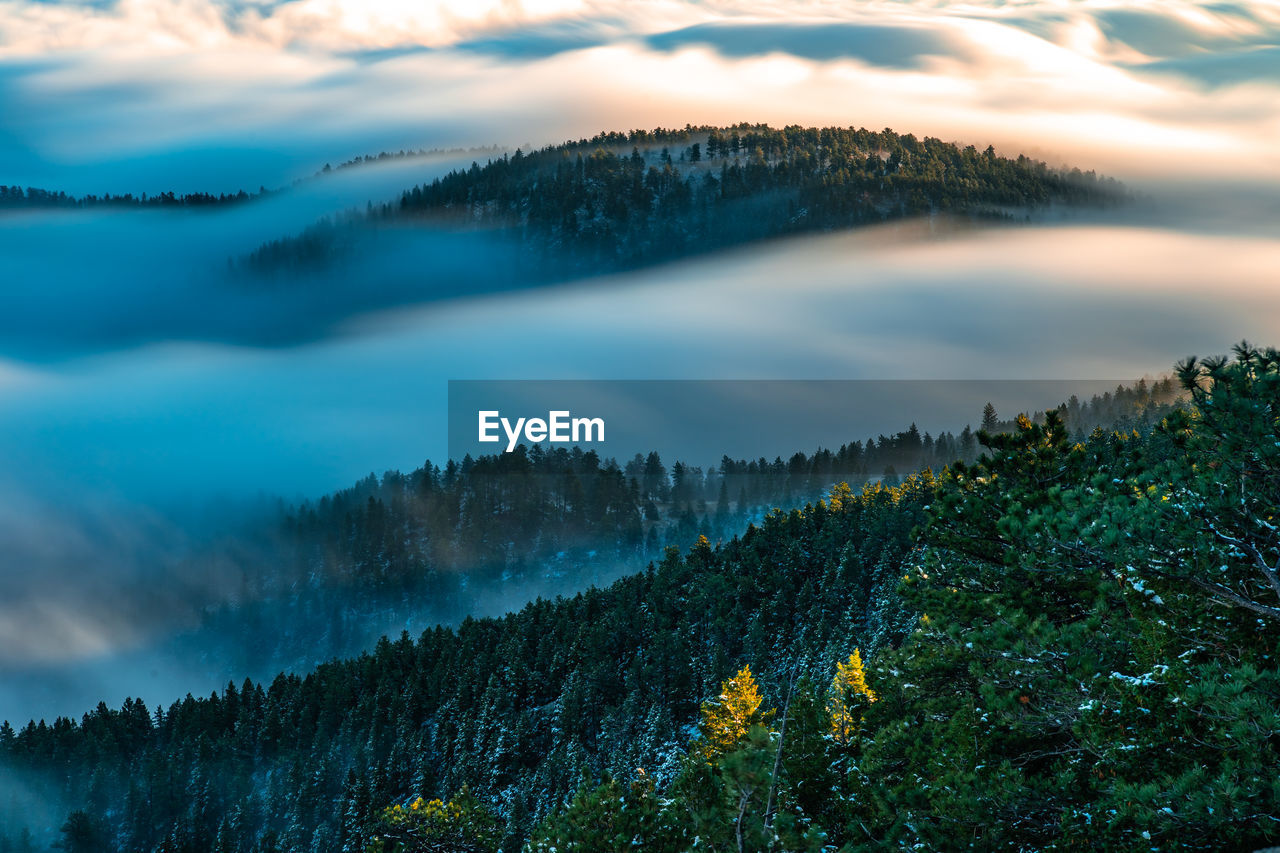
x=807, y=764
x=82, y=834
x=990, y=421
x=612, y=818
x=462, y=825
x=727, y=719
x=848, y=699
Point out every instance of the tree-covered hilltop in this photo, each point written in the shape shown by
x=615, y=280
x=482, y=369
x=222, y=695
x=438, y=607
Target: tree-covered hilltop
x=1068, y=643
x=738, y=184
x=622, y=200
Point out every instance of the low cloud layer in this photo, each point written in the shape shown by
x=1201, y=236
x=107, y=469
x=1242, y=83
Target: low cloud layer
x=133, y=379
x=167, y=420
x=110, y=460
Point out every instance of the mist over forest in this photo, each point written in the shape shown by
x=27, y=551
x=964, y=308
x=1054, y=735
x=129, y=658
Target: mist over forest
x=186, y=571
x=148, y=403
x=250, y=603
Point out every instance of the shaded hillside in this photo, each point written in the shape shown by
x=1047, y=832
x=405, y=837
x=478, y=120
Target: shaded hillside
x=413, y=549
x=515, y=708
x=622, y=200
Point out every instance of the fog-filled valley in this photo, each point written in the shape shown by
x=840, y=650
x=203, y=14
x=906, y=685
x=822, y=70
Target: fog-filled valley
x=291, y=386
x=245, y=248
x=183, y=600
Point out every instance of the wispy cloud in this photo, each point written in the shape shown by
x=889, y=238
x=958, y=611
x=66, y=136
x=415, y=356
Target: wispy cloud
x=1161, y=30
x=235, y=94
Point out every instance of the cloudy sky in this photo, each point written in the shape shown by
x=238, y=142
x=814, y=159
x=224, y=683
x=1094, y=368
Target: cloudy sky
x=204, y=94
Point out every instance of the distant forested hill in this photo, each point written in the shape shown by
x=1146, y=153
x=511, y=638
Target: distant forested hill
x=15, y=197
x=622, y=200
x=420, y=547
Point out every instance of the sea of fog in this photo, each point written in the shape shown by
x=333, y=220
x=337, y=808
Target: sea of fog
x=149, y=402
x=146, y=402
x=138, y=378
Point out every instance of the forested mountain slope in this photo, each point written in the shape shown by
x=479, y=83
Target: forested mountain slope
x=413, y=549
x=1091, y=665
x=623, y=200
x=1069, y=643
x=516, y=707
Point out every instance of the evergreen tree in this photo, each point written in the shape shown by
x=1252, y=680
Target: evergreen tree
x=848, y=699
x=461, y=825
x=728, y=718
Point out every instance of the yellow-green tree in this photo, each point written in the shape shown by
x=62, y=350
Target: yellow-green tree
x=462, y=825
x=840, y=496
x=849, y=697
x=727, y=718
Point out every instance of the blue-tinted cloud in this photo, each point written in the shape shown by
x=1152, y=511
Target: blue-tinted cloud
x=1232, y=68
x=541, y=41
x=1165, y=35
x=94, y=97
x=900, y=46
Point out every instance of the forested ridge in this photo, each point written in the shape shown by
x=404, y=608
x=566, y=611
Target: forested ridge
x=515, y=708
x=442, y=540
x=16, y=197
x=625, y=199
x=417, y=548
x=621, y=200
x=1068, y=643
